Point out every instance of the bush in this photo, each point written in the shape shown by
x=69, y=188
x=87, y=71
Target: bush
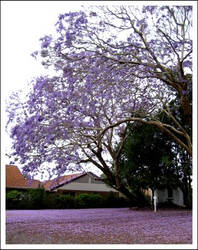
x=40, y=199
x=88, y=201
x=112, y=200
x=65, y=201
x=13, y=199
x=50, y=201
x=96, y=200
x=26, y=199
x=34, y=198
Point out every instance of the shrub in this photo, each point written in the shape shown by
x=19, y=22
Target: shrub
x=65, y=201
x=88, y=201
x=26, y=199
x=13, y=199
x=111, y=200
x=82, y=201
x=34, y=198
x=39, y=199
x=96, y=200
x=50, y=200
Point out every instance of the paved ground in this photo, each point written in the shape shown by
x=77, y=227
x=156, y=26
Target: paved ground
x=98, y=226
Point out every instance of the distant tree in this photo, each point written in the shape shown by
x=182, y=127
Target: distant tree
x=147, y=160
x=114, y=66
x=183, y=160
x=184, y=168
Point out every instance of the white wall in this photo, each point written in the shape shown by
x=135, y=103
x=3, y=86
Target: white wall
x=177, y=196
x=78, y=186
x=162, y=195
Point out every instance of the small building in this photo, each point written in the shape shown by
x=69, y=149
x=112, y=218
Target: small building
x=75, y=184
x=15, y=179
x=174, y=196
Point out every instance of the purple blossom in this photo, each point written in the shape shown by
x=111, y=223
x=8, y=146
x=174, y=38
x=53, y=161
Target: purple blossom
x=61, y=16
x=80, y=20
x=141, y=22
x=175, y=45
x=92, y=13
x=187, y=64
x=34, y=54
x=46, y=40
x=150, y=9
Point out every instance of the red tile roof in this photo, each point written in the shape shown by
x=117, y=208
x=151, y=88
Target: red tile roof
x=15, y=179
x=49, y=185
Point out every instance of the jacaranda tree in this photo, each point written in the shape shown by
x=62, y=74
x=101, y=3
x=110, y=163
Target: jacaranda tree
x=111, y=66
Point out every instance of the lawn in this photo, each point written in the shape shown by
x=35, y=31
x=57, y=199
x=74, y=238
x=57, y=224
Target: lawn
x=98, y=226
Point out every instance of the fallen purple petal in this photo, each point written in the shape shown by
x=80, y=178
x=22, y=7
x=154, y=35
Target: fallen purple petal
x=98, y=226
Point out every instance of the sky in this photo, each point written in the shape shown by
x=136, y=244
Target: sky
x=23, y=24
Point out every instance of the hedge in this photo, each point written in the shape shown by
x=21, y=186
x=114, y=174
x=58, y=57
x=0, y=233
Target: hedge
x=40, y=199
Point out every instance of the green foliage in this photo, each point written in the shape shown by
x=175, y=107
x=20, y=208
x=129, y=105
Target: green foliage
x=13, y=195
x=13, y=199
x=65, y=201
x=88, y=200
x=25, y=199
x=183, y=161
x=34, y=198
x=147, y=161
x=111, y=200
x=50, y=201
x=39, y=199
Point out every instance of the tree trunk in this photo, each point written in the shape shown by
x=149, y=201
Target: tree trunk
x=186, y=110
x=187, y=194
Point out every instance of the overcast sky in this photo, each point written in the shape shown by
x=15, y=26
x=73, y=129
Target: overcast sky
x=23, y=24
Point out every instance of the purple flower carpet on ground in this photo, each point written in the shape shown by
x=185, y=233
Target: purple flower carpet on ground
x=98, y=226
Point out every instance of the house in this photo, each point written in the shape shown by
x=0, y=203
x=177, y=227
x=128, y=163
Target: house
x=15, y=179
x=82, y=183
x=75, y=184
x=173, y=195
